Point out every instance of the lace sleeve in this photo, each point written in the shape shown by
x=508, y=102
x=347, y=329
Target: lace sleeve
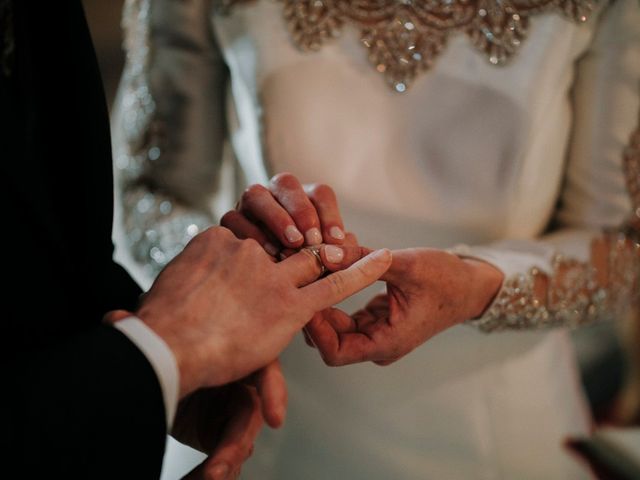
x=168, y=128
x=574, y=276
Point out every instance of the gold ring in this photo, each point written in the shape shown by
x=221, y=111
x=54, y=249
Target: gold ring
x=315, y=251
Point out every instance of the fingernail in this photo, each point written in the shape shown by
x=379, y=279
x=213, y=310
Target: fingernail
x=220, y=471
x=337, y=233
x=292, y=234
x=334, y=254
x=313, y=236
x=383, y=254
x=271, y=249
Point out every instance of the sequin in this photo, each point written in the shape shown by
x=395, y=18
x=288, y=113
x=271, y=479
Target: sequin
x=404, y=38
x=575, y=292
x=156, y=227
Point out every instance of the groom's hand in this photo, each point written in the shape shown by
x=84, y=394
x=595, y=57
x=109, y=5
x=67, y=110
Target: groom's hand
x=226, y=309
x=287, y=215
x=428, y=291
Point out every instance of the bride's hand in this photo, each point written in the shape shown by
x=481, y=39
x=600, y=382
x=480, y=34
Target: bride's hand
x=428, y=291
x=288, y=215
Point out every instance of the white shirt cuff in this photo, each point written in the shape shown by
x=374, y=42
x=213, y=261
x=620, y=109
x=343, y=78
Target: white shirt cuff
x=161, y=359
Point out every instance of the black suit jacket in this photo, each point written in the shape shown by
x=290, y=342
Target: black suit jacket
x=79, y=399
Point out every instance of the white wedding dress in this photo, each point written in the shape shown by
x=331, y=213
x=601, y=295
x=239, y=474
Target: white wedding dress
x=470, y=154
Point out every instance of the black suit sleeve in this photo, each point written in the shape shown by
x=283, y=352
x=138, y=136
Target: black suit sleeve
x=90, y=407
x=79, y=400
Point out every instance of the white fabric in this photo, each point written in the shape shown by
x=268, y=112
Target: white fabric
x=161, y=359
x=471, y=153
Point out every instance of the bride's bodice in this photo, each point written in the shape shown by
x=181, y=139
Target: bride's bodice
x=470, y=152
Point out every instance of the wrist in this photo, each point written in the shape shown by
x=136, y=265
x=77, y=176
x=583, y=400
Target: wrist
x=184, y=353
x=486, y=281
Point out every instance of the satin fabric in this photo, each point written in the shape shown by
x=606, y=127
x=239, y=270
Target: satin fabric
x=473, y=154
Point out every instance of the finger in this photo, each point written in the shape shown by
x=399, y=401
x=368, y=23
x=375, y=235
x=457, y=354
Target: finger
x=115, y=316
x=341, y=348
x=338, y=320
x=340, y=257
x=385, y=363
x=291, y=195
x=304, y=267
x=324, y=200
x=339, y=285
x=379, y=306
x=272, y=390
x=350, y=239
x=307, y=338
x=243, y=228
x=406, y=263
x=286, y=253
x=258, y=203
x=237, y=440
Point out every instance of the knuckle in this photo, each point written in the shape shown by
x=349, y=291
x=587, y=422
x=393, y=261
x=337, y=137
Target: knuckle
x=288, y=296
x=245, y=451
x=221, y=233
x=250, y=246
x=285, y=180
x=209, y=235
x=249, y=452
x=303, y=211
x=321, y=191
x=236, y=453
x=337, y=282
x=331, y=360
x=254, y=191
x=229, y=218
x=364, y=270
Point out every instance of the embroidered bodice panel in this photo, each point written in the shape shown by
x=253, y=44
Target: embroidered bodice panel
x=404, y=37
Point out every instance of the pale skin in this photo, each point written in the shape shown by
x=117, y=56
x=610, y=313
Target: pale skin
x=428, y=290
x=226, y=310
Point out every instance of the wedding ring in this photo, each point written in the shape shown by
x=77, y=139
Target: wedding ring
x=315, y=251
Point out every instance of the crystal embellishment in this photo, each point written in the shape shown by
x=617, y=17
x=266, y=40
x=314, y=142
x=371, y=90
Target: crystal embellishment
x=404, y=37
x=578, y=292
x=157, y=227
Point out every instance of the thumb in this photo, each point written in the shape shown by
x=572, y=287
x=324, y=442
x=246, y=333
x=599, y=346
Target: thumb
x=404, y=262
x=236, y=444
x=340, y=285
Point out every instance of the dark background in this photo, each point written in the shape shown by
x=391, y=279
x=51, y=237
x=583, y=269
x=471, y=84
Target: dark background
x=104, y=20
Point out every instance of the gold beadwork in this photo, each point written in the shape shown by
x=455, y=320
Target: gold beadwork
x=579, y=292
x=404, y=37
x=631, y=164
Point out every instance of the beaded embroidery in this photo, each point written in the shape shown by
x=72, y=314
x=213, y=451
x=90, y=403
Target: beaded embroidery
x=404, y=37
x=579, y=292
x=157, y=228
